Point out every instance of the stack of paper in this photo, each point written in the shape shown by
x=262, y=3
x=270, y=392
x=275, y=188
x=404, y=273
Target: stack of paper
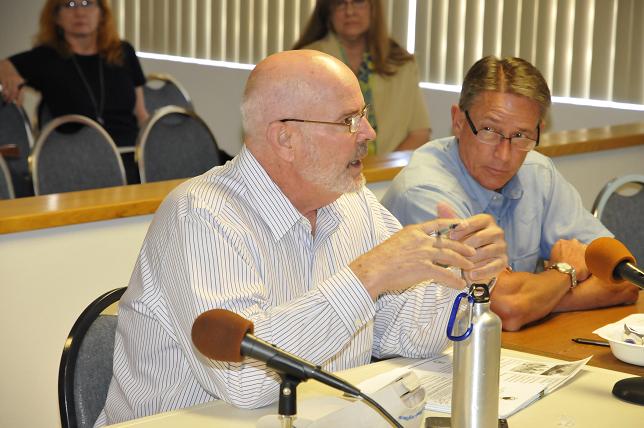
x=521, y=381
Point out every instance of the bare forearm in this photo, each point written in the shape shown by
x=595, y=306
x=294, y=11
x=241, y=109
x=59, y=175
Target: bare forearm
x=140, y=111
x=520, y=297
x=593, y=293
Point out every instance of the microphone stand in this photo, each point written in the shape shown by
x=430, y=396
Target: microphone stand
x=287, y=407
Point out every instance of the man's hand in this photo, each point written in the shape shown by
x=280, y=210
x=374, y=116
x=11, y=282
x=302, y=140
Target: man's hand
x=412, y=256
x=572, y=252
x=486, y=237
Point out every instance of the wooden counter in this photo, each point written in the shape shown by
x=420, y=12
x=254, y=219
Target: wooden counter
x=103, y=204
x=552, y=337
x=591, y=140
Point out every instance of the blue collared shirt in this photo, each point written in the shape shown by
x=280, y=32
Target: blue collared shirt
x=536, y=208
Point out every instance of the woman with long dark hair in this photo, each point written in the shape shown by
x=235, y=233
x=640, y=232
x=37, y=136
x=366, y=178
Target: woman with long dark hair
x=356, y=32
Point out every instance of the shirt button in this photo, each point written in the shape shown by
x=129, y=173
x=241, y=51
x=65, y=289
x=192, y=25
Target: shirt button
x=358, y=323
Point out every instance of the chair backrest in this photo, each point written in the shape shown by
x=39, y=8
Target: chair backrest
x=74, y=152
x=6, y=187
x=162, y=90
x=43, y=114
x=85, y=368
x=620, y=207
x=175, y=143
x=16, y=129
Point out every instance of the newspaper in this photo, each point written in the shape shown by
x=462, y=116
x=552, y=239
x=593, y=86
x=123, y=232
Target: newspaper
x=521, y=382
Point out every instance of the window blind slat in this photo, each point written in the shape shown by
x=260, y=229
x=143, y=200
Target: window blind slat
x=584, y=48
x=601, y=77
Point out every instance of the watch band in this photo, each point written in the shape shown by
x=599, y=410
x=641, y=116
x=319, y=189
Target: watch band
x=567, y=269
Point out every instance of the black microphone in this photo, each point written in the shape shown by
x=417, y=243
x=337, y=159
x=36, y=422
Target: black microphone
x=225, y=336
x=610, y=260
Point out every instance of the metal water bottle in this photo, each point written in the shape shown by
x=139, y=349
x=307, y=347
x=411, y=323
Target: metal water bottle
x=477, y=360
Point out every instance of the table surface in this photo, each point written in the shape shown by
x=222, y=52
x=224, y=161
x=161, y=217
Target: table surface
x=553, y=336
x=585, y=401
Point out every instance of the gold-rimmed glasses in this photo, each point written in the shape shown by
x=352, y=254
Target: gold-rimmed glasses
x=353, y=122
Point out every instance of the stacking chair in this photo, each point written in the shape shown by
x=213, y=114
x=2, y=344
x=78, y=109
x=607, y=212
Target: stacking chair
x=74, y=152
x=163, y=90
x=6, y=187
x=620, y=207
x=43, y=114
x=15, y=129
x=85, y=368
x=175, y=143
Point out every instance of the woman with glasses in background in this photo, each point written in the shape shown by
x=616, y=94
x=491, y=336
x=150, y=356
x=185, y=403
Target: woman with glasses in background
x=355, y=32
x=81, y=66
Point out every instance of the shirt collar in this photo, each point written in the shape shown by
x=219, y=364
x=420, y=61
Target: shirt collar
x=272, y=205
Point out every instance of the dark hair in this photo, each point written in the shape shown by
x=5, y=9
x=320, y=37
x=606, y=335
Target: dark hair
x=386, y=53
x=509, y=75
x=108, y=41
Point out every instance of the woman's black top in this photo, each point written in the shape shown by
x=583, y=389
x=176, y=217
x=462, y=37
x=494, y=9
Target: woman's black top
x=63, y=91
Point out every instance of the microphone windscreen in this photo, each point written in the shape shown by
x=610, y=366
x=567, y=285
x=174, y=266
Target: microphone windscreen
x=602, y=257
x=218, y=334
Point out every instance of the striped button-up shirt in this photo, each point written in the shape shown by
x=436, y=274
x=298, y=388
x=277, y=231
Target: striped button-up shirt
x=231, y=239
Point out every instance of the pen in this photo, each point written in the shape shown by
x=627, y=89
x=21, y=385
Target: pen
x=590, y=341
x=444, y=231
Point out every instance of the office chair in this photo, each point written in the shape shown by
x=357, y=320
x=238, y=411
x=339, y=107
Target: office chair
x=15, y=129
x=175, y=143
x=620, y=207
x=85, y=368
x=74, y=152
x=162, y=90
x=6, y=187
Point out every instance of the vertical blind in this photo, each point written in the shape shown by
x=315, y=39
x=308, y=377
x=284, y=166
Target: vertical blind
x=584, y=48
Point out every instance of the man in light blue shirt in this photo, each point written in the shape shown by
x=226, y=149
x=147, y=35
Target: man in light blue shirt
x=489, y=167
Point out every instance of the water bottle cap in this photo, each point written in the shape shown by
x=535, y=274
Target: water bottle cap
x=480, y=292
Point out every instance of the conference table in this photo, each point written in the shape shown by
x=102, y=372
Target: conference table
x=552, y=337
x=585, y=401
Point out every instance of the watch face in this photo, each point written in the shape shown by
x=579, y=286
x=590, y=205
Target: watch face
x=564, y=267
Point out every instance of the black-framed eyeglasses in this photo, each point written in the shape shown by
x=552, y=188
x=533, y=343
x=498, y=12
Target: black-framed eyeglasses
x=73, y=4
x=353, y=122
x=493, y=138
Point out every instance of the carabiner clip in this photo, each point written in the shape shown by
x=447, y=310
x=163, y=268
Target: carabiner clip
x=452, y=317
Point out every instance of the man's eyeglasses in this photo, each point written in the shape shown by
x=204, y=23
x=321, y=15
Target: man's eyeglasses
x=73, y=4
x=344, y=4
x=493, y=138
x=353, y=122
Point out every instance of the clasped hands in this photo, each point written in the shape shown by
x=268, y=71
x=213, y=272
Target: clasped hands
x=476, y=246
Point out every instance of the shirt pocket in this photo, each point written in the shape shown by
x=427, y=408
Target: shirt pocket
x=524, y=243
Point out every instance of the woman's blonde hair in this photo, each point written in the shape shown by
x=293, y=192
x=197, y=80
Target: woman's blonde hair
x=386, y=54
x=108, y=41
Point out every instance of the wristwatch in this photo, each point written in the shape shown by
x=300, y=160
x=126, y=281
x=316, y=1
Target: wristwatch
x=564, y=267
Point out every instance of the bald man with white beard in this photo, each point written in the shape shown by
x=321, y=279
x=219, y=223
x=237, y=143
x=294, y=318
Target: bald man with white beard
x=287, y=236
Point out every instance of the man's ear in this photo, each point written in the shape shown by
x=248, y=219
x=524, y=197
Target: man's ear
x=457, y=120
x=279, y=136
